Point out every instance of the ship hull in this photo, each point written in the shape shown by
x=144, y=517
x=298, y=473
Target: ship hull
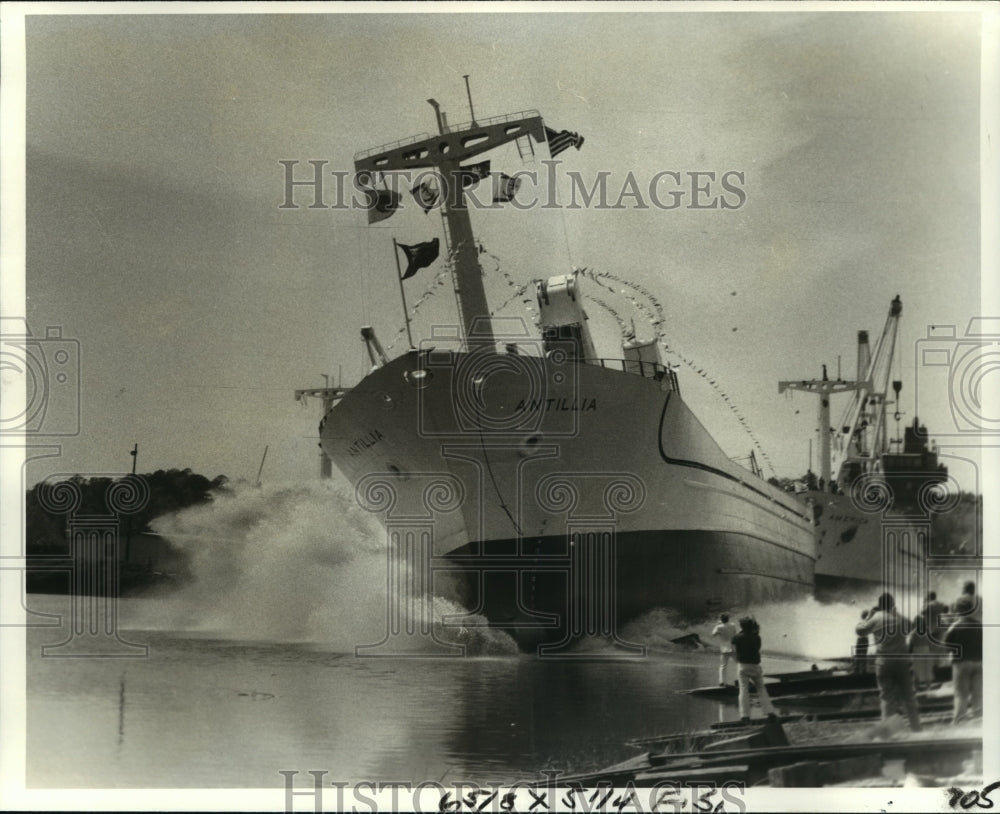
x=564, y=498
x=698, y=573
x=859, y=550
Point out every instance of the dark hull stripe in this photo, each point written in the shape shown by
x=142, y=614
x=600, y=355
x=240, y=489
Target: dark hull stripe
x=706, y=467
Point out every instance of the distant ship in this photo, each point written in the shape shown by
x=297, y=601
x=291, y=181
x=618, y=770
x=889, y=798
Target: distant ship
x=589, y=490
x=870, y=484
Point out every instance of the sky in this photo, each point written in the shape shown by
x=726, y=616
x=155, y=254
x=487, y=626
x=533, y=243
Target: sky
x=155, y=237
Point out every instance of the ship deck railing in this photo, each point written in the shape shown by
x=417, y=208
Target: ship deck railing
x=637, y=367
x=392, y=145
x=506, y=117
x=453, y=128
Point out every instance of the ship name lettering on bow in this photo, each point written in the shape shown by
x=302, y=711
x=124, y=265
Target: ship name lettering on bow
x=558, y=405
x=847, y=517
x=369, y=439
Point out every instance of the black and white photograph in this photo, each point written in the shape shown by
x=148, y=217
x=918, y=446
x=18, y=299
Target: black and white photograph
x=498, y=407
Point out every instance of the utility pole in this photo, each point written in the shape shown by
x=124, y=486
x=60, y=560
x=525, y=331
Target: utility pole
x=134, y=452
x=260, y=470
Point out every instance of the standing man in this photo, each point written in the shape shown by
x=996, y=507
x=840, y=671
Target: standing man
x=861, y=649
x=746, y=643
x=925, y=639
x=968, y=596
x=724, y=632
x=966, y=635
x=893, y=665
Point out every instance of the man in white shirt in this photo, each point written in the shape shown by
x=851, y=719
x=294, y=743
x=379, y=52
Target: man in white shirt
x=724, y=632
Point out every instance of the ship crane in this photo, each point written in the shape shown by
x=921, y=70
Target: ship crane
x=328, y=396
x=861, y=438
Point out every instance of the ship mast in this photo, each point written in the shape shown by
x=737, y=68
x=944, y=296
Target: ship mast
x=824, y=388
x=443, y=155
x=867, y=416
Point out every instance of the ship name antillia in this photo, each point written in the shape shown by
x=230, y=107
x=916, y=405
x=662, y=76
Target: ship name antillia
x=841, y=518
x=558, y=405
x=370, y=439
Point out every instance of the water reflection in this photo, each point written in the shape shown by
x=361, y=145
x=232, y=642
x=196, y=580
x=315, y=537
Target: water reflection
x=204, y=712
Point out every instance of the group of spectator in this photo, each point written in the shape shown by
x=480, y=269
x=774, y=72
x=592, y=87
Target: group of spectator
x=906, y=653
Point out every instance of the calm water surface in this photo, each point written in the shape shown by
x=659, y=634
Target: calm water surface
x=201, y=712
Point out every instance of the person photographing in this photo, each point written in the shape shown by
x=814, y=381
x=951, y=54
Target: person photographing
x=747, y=643
x=893, y=664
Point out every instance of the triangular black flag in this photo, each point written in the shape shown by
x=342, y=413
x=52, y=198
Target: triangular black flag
x=420, y=256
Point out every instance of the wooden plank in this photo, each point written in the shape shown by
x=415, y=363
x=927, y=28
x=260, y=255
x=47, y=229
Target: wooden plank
x=804, y=674
x=834, y=698
x=815, y=683
x=826, y=751
x=754, y=763
x=931, y=711
x=731, y=772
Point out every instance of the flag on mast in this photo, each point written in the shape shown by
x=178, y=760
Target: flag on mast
x=419, y=256
x=382, y=203
x=562, y=140
x=472, y=173
x=504, y=188
x=426, y=195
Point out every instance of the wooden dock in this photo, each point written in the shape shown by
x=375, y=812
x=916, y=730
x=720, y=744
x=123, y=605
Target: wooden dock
x=794, y=764
x=808, y=744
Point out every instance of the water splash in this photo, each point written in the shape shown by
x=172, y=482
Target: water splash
x=290, y=563
x=803, y=628
x=304, y=563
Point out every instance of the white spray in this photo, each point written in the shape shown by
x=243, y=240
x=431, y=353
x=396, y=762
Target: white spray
x=295, y=563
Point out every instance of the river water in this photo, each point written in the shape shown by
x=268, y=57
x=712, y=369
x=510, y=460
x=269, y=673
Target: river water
x=204, y=712
x=252, y=670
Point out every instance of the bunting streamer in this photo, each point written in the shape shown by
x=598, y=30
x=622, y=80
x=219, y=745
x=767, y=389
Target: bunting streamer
x=517, y=293
x=518, y=289
x=652, y=308
x=439, y=280
x=638, y=296
x=622, y=325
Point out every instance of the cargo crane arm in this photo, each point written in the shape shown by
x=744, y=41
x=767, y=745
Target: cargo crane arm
x=862, y=431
